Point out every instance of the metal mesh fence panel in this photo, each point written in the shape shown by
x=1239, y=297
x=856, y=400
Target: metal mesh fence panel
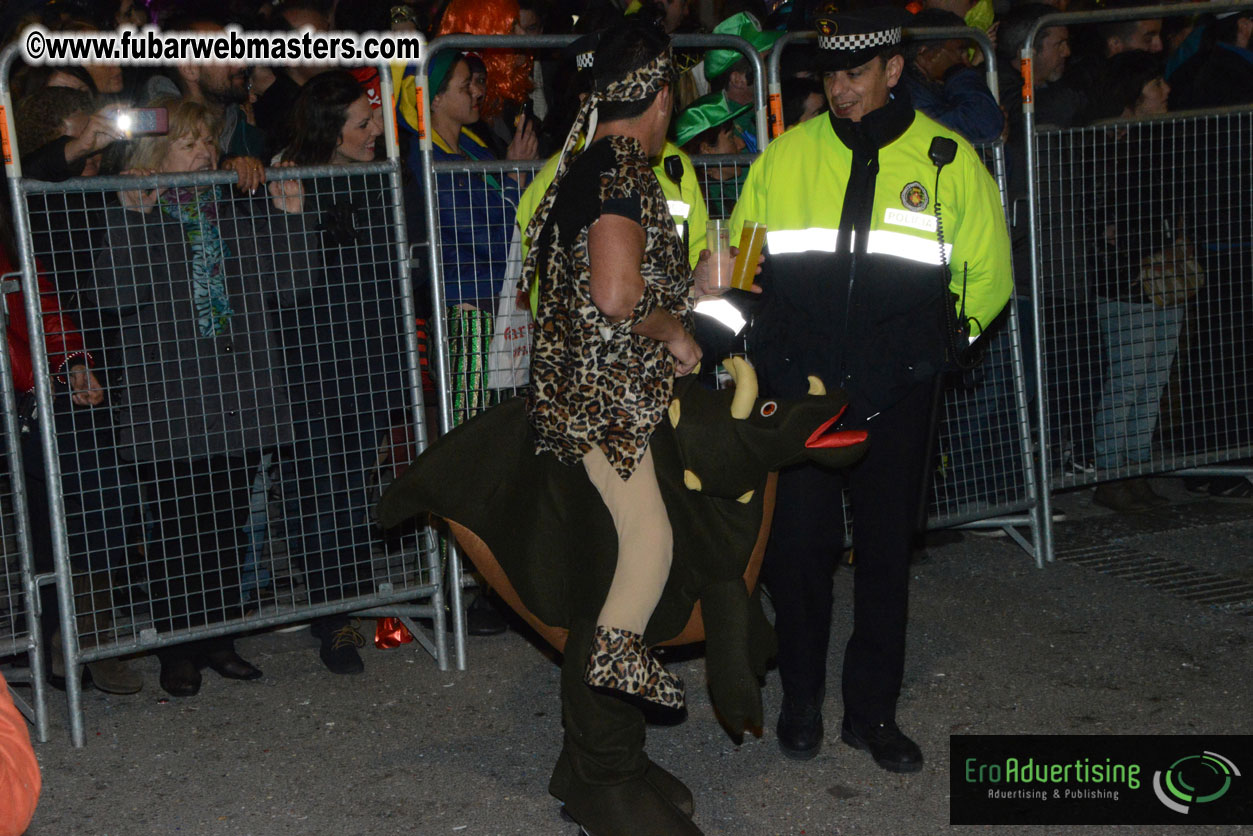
x=487, y=333
x=14, y=608
x=984, y=464
x=983, y=469
x=13, y=604
x=480, y=254
x=484, y=331
x=231, y=390
x=721, y=178
x=1144, y=262
x=20, y=641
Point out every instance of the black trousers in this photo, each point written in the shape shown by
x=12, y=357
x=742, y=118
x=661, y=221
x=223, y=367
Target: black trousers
x=807, y=539
x=328, y=481
x=100, y=492
x=200, y=506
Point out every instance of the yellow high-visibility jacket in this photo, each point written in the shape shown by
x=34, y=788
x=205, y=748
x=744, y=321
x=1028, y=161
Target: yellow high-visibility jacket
x=854, y=277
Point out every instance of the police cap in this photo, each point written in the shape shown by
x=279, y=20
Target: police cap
x=850, y=36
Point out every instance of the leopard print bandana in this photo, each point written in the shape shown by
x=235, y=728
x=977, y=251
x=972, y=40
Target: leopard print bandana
x=637, y=84
x=640, y=82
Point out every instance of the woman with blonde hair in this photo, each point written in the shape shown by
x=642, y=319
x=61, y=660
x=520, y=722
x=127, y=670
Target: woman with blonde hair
x=189, y=273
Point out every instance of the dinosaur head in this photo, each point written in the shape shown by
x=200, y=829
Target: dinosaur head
x=731, y=439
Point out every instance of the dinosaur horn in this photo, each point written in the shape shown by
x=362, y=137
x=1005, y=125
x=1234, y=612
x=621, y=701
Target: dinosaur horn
x=745, y=377
x=816, y=386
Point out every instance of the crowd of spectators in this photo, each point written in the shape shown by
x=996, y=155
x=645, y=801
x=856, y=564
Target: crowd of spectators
x=208, y=339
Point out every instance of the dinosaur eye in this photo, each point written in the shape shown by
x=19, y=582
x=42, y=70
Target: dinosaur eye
x=768, y=408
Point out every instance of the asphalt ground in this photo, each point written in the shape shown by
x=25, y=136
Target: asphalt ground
x=996, y=646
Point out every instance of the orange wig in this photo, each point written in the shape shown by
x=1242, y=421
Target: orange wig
x=508, y=72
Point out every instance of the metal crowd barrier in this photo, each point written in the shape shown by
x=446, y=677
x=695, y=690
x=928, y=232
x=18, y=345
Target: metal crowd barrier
x=19, y=595
x=227, y=483
x=985, y=474
x=1121, y=213
x=464, y=312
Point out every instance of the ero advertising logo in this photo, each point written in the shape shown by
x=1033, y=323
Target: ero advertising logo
x=1091, y=779
x=1194, y=779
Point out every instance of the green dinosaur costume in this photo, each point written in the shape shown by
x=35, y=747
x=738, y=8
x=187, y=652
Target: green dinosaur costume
x=539, y=532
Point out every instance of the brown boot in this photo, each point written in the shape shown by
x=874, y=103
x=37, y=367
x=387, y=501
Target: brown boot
x=94, y=607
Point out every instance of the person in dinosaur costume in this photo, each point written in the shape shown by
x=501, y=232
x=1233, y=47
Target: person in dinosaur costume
x=616, y=293
x=542, y=537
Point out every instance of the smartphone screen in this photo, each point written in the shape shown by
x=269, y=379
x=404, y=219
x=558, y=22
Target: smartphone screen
x=143, y=121
x=527, y=115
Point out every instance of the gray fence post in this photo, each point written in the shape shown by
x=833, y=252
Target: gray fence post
x=21, y=600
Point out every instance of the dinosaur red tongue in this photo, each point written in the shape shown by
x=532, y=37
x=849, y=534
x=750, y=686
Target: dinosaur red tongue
x=824, y=438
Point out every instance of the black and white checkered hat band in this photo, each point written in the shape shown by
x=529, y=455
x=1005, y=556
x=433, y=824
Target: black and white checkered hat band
x=864, y=40
x=584, y=60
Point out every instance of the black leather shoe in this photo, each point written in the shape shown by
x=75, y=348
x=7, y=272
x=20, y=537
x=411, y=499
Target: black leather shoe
x=231, y=665
x=180, y=677
x=889, y=747
x=800, y=729
x=340, y=640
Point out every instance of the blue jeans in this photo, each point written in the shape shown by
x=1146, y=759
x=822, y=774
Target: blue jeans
x=984, y=440
x=256, y=576
x=1140, y=341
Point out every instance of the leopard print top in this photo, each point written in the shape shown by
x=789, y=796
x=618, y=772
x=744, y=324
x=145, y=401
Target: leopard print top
x=593, y=382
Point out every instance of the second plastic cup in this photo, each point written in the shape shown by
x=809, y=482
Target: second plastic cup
x=718, y=242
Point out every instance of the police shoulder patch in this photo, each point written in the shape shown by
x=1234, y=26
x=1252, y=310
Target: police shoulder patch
x=914, y=197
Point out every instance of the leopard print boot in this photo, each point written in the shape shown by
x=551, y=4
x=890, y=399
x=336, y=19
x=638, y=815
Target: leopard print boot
x=620, y=661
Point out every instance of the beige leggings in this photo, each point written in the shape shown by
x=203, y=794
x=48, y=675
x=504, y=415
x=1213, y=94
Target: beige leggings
x=645, y=542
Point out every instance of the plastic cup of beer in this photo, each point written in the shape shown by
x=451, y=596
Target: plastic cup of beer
x=718, y=242
x=751, y=241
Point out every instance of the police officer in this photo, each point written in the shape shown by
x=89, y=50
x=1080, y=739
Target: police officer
x=887, y=252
